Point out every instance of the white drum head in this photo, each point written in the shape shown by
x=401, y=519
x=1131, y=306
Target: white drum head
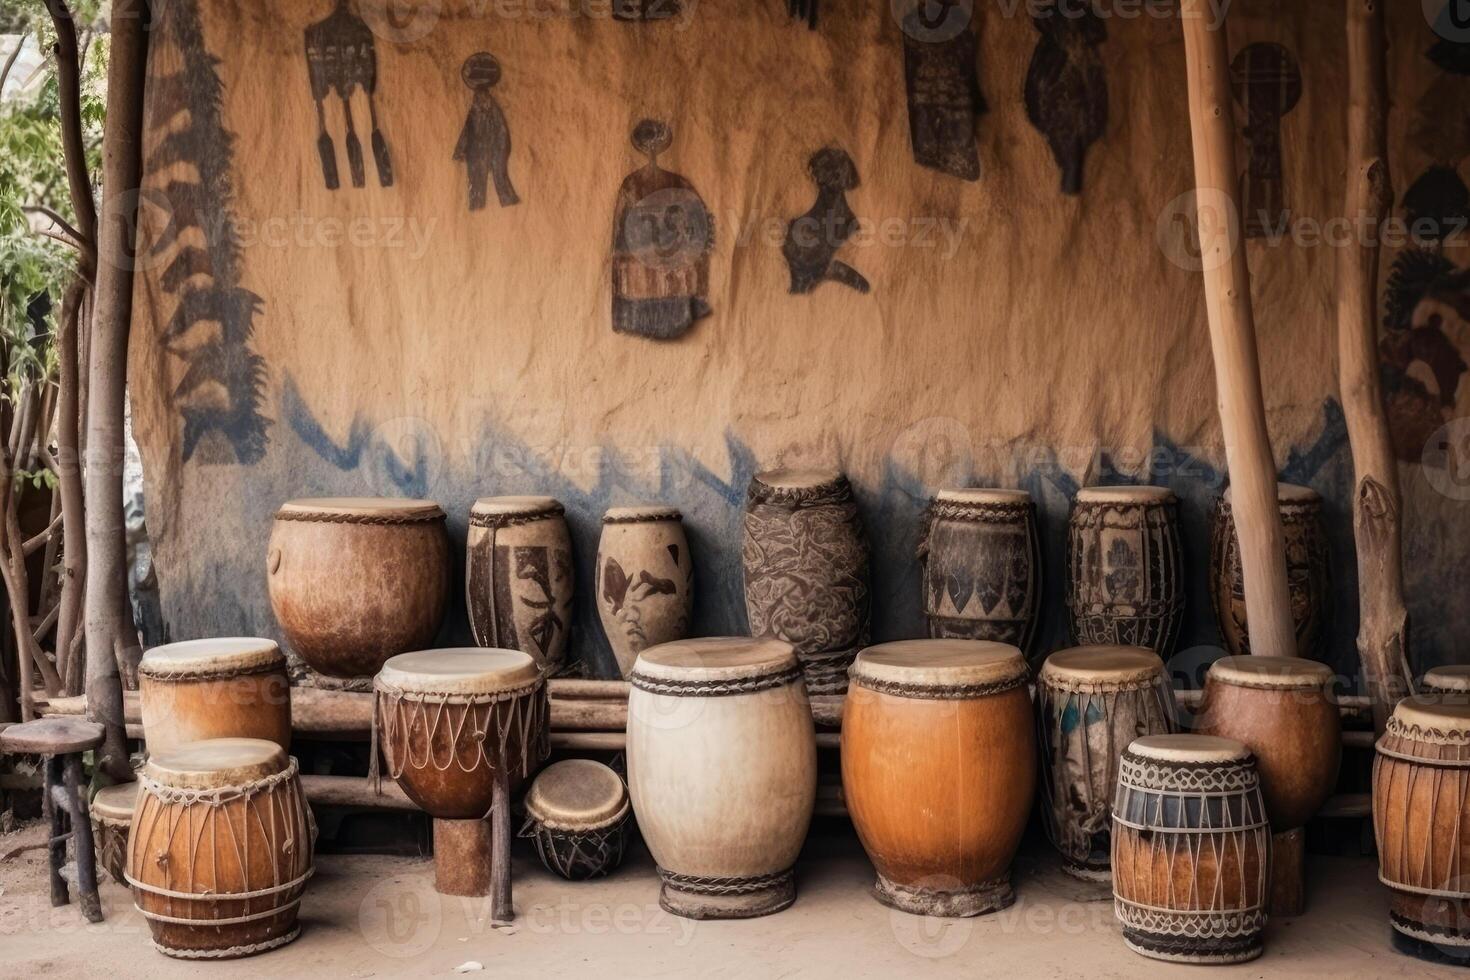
x=1278, y=673
x=219, y=655
x=1137, y=496
x=797, y=479
x=577, y=794
x=983, y=496
x=1189, y=748
x=116, y=803
x=716, y=658
x=458, y=671
x=940, y=663
x=388, y=509
x=1452, y=677
x=1102, y=665
x=515, y=506
x=639, y=513
x=1440, y=713
x=217, y=762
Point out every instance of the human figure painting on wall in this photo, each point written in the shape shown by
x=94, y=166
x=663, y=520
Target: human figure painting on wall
x=813, y=239
x=341, y=58
x=484, y=142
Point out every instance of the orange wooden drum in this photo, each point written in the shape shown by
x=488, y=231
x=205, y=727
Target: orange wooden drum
x=939, y=770
x=230, y=687
x=220, y=849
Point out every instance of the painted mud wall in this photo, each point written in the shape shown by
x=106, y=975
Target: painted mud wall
x=433, y=313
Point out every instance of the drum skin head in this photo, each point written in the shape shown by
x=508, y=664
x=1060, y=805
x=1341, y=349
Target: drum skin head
x=1189, y=748
x=577, y=794
x=940, y=663
x=223, y=655
x=716, y=658
x=116, y=802
x=1094, y=664
x=515, y=506
x=1287, y=493
x=983, y=495
x=1434, y=712
x=384, y=507
x=1285, y=673
x=217, y=762
x=638, y=513
x=797, y=479
x=1451, y=677
x=1125, y=495
x=459, y=670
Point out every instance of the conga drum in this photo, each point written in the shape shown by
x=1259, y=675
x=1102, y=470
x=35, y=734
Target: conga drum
x=459, y=730
x=519, y=576
x=980, y=557
x=1421, y=812
x=577, y=815
x=1091, y=703
x=231, y=687
x=805, y=560
x=1451, y=679
x=1308, y=570
x=722, y=769
x=1191, y=850
x=1125, y=583
x=220, y=849
x=939, y=771
x=1284, y=710
x=354, y=581
x=112, y=816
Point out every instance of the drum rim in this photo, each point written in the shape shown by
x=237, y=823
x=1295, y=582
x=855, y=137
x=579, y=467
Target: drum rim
x=777, y=659
x=1452, y=678
x=493, y=511
x=1149, y=749
x=600, y=820
x=642, y=514
x=1236, y=671
x=1145, y=494
x=985, y=496
x=397, y=679
x=1440, y=714
x=817, y=486
x=1287, y=494
x=1057, y=671
x=370, y=510
x=1002, y=668
x=174, y=769
x=220, y=656
x=105, y=807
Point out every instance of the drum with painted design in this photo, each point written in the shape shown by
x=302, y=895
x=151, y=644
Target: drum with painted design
x=228, y=687
x=645, y=580
x=577, y=814
x=519, y=577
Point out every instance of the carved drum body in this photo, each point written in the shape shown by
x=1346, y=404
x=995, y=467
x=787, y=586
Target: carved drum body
x=805, y=560
x=645, y=580
x=1124, y=563
x=981, y=558
x=1092, y=702
x=722, y=768
x=577, y=813
x=112, y=817
x=939, y=771
x=354, y=581
x=519, y=577
x=1308, y=570
x=231, y=687
x=1191, y=850
x=216, y=820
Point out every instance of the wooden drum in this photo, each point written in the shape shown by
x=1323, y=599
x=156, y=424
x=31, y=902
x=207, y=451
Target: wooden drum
x=519, y=577
x=1091, y=703
x=1191, y=850
x=981, y=559
x=939, y=770
x=354, y=581
x=231, y=687
x=1421, y=809
x=1125, y=580
x=220, y=849
x=577, y=814
x=459, y=730
x=112, y=816
x=722, y=768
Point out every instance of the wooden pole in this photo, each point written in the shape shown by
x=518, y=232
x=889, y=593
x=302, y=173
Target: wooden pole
x=1233, y=335
x=1383, y=624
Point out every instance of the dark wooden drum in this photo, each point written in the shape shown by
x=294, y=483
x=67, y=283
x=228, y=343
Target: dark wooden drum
x=577, y=814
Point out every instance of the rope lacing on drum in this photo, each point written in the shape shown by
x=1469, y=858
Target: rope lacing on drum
x=726, y=884
x=714, y=688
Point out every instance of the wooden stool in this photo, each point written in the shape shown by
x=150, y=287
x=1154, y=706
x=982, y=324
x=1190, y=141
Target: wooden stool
x=62, y=741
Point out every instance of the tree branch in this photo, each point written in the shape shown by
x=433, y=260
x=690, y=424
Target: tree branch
x=74, y=147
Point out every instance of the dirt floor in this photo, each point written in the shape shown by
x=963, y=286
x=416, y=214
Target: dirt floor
x=380, y=917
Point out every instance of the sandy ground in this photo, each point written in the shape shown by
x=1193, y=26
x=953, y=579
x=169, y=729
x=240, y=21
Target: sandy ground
x=380, y=917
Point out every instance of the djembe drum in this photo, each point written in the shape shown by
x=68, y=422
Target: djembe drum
x=1283, y=710
x=1091, y=703
x=220, y=849
x=722, y=769
x=980, y=557
x=645, y=580
x=939, y=770
x=112, y=816
x=354, y=581
x=1125, y=583
x=519, y=577
x=1451, y=679
x=231, y=687
x=1191, y=850
x=1421, y=809
x=459, y=730
x=577, y=815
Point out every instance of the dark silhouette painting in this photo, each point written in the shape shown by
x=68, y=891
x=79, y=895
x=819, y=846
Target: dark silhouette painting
x=1066, y=87
x=1437, y=204
x=1267, y=84
x=642, y=10
x=484, y=142
x=662, y=236
x=942, y=86
x=812, y=240
x=803, y=10
x=340, y=59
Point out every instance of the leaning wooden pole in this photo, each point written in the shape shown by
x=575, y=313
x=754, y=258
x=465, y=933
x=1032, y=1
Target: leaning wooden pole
x=1383, y=625
x=1233, y=335
x=108, y=615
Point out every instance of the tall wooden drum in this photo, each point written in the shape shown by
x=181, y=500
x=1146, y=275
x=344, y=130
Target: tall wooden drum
x=939, y=771
x=519, y=577
x=1451, y=679
x=459, y=730
x=1308, y=570
x=981, y=560
x=1191, y=850
x=1421, y=809
x=806, y=570
x=722, y=768
x=645, y=580
x=220, y=849
x=1125, y=580
x=355, y=580
x=231, y=687
x=1091, y=703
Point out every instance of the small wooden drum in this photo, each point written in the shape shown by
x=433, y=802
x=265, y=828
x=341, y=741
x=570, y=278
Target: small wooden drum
x=231, y=687
x=220, y=849
x=519, y=577
x=981, y=559
x=1191, y=850
x=1125, y=581
x=1091, y=703
x=722, y=769
x=459, y=730
x=1451, y=679
x=112, y=815
x=355, y=580
x=939, y=771
x=1421, y=809
x=577, y=814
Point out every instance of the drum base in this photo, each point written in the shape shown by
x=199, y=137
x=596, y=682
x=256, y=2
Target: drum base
x=956, y=903
x=694, y=897
x=1413, y=940
x=462, y=857
x=231, y=952
x=1086, y=872
x=1181, y=949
